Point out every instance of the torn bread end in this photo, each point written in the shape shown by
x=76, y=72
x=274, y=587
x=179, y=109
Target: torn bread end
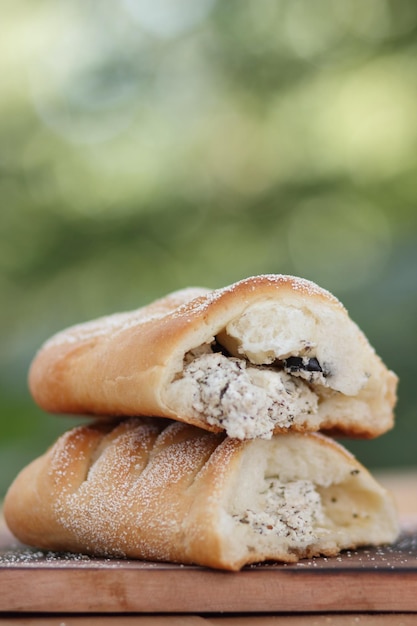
x=300, y=495
x=277, y=367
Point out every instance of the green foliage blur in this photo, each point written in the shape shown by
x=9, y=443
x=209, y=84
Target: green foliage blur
x=146, y=146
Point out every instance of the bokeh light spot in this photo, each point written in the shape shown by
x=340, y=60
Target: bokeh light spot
x=169, y=18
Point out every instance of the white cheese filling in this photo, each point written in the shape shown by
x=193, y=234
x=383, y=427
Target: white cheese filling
x=247, y=401
x=292, y=511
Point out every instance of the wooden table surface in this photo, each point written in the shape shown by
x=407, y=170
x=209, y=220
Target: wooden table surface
x=404, y=488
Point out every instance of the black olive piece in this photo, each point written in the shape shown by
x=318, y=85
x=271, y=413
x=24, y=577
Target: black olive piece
x=297, y=363
x=217, y=347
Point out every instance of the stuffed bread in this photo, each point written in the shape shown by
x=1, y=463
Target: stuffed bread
x=267, y=354
x=167, y=491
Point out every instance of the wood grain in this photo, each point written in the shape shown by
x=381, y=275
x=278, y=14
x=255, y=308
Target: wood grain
x=377, y=579
x=339, y=619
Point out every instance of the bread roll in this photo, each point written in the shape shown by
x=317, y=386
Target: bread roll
x=167, y=491
x=267, y=354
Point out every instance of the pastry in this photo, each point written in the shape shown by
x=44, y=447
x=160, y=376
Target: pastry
x=158, y=490
x=267, y=354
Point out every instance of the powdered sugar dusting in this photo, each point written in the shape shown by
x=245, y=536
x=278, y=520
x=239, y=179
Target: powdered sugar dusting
x=184, y=302
x=31, y=557
x=120, y=322
x=67, y=451
x=282, y=281
x=252, y=284
x=140, y=510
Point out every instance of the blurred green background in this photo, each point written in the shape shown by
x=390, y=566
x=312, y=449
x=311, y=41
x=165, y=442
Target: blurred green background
x=150, y=145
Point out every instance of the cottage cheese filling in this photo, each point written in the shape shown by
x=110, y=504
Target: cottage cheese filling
x=247, y=401
x=290, y=510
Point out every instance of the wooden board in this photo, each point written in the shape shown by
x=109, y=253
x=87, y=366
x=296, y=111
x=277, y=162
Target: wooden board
x=374, y=579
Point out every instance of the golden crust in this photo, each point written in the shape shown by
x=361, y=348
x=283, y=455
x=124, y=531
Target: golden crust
x=151, y=489
x=123, y=364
